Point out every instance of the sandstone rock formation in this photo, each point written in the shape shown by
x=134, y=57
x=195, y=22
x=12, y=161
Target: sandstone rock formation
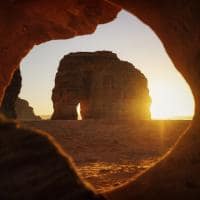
x=11, y=95
x=26, y=23
x=105, y=87
x=24, y=110
x=12, y=106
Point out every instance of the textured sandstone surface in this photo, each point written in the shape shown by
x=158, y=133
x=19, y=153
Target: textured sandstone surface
x=105, y=87
x=11, y=95
x=26, y=23
x=24, y=110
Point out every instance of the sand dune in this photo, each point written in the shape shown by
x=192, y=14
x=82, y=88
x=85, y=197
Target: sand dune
x=108, y=153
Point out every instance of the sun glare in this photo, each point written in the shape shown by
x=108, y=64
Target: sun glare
x=165, y=104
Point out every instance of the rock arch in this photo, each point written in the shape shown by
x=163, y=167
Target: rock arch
x=105, y=86
x=26, y=23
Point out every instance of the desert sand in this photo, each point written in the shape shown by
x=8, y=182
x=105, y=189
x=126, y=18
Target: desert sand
x=108, y=153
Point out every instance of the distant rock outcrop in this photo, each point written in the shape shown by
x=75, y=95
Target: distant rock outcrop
x=14, y=107
x=25, y=111
x=105, y=87
x=11, y=95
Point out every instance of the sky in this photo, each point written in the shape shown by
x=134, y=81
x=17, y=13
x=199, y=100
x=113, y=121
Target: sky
x=133, y=41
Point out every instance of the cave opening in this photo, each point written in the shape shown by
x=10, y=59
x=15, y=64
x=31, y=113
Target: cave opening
x=170, y=94
x=164, y=84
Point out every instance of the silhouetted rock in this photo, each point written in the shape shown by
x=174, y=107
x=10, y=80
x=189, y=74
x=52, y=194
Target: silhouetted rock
x=105, y=87
x=14, y=107
x=11, y=95
x=25, y=111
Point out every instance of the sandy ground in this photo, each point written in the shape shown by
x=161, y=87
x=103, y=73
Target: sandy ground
x=109, y=153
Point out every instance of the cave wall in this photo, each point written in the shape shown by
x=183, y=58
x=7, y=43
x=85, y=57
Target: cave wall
x=26, y=23
x=105, y=87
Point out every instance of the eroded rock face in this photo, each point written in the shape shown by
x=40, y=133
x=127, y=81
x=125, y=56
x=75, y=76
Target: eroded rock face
x=105, y=87
x=11, y=95
x=24, y=110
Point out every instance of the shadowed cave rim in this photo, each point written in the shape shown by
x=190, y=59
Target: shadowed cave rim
x=188, y=66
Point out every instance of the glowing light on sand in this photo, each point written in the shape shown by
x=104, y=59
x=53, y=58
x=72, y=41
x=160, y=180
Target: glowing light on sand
x=78, y=110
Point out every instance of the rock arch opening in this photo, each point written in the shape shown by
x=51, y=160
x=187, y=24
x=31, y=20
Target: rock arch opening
x=78, y=111
x=171, y=97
